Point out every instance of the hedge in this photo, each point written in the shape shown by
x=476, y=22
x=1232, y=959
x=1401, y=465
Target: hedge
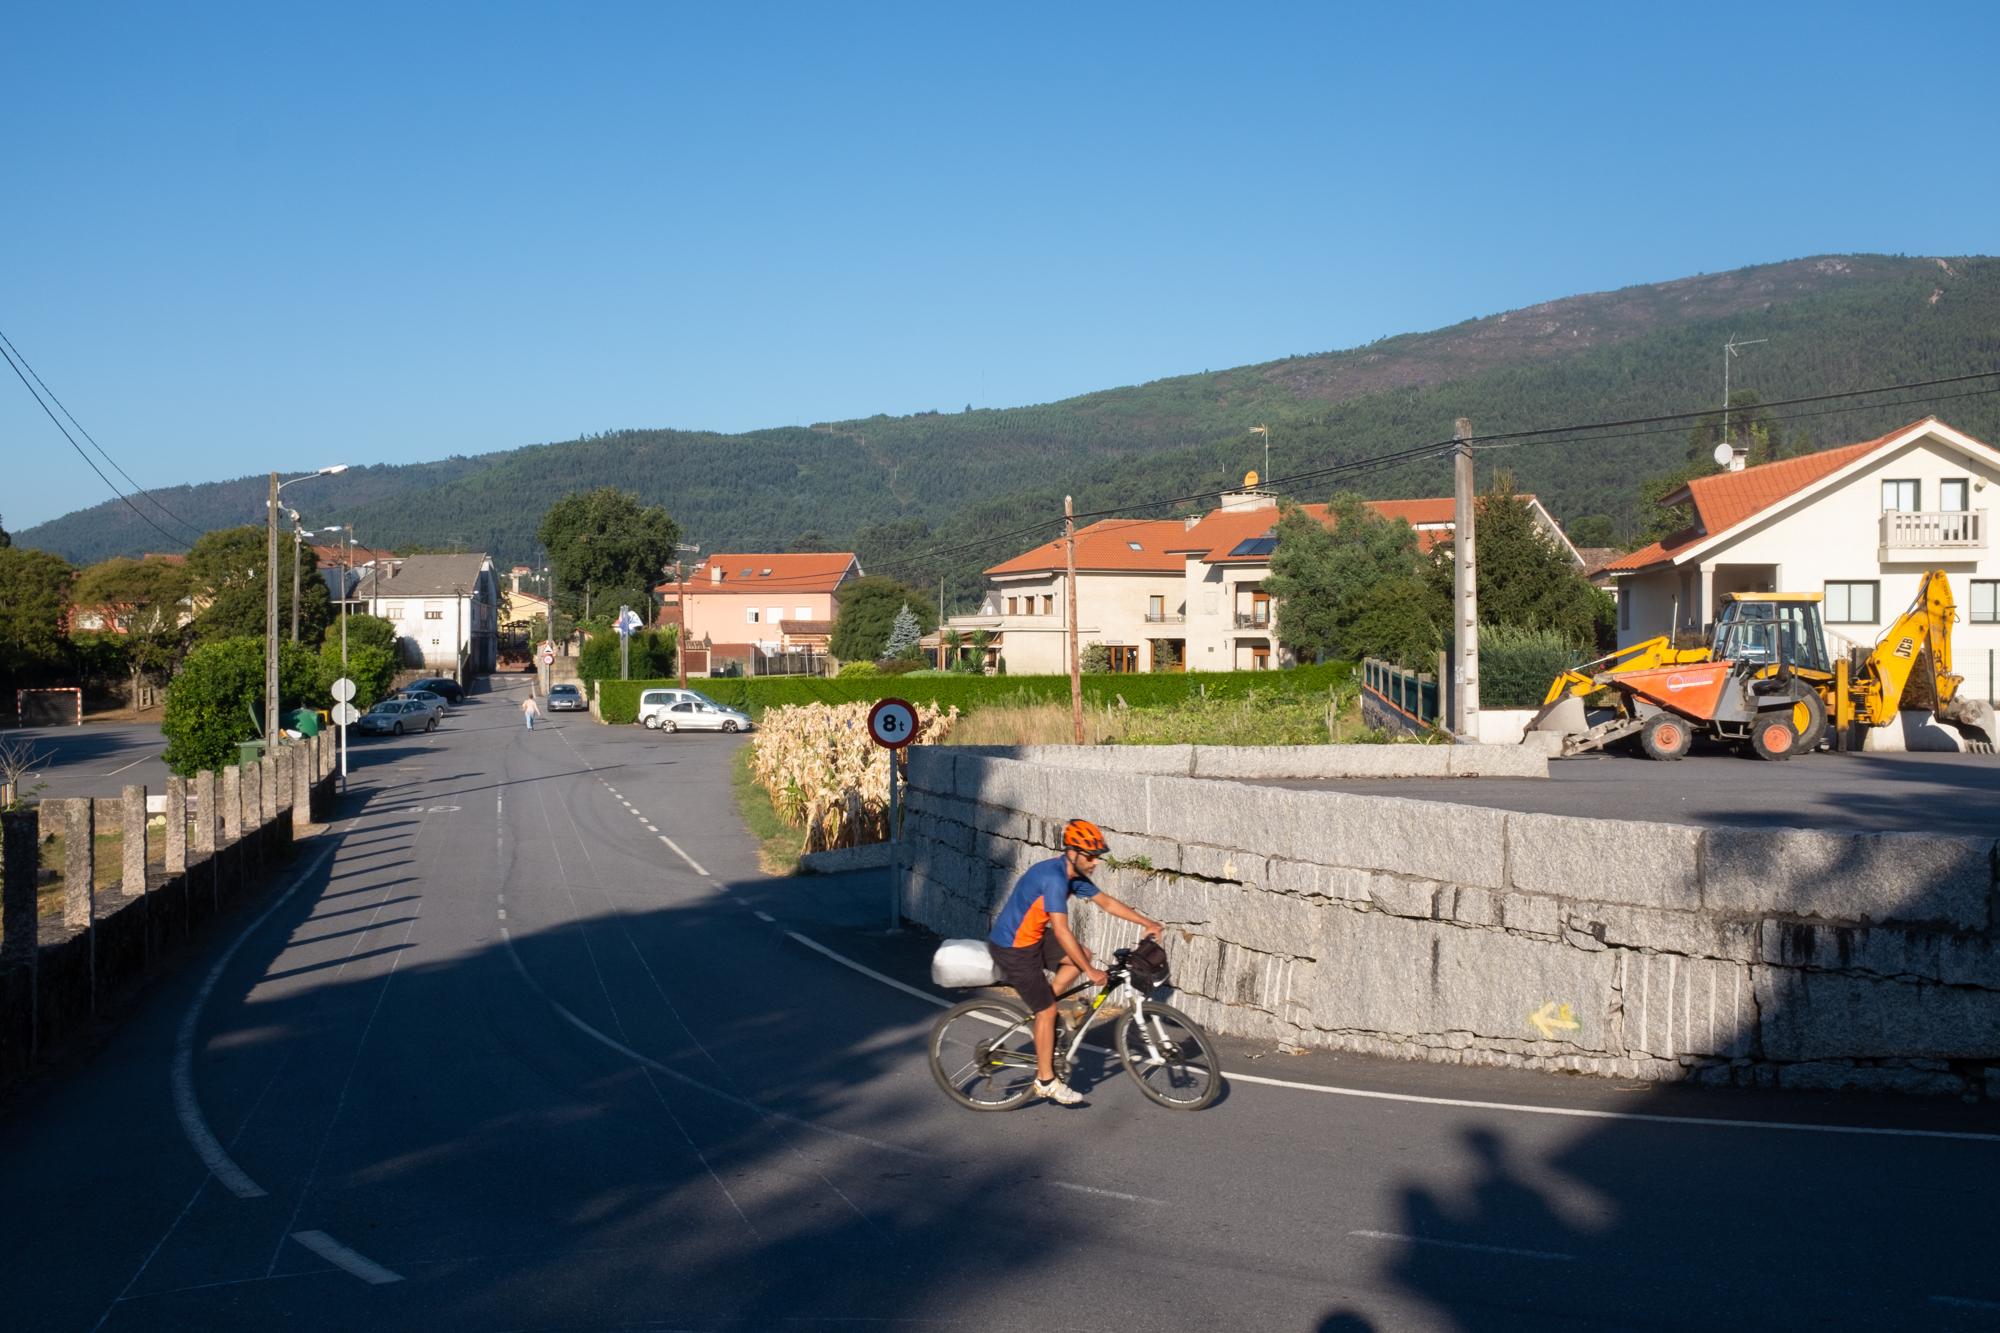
x=618, y=700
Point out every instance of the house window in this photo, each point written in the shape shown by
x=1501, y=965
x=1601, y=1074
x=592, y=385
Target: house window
x=1048, y=603
x=802, y=613
x=1902, y=496
x=433, y=615
x=1156, y=609
x=1260, y=657
x=393, y=611
x=1852, y=603
x=749, y=615
x=1986, y=601
x=1951, y=495
x=1124, y=657
x=773, y=614
x=1010, y=606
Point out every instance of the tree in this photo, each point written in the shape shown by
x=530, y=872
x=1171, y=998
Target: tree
x=605, y=542
x=225, y=570
x=865, y=612
x=151, y=596
x=5, y=540
x=364, y=631
x=1322, y=575
x=1657, y=518
x=1526, y=578
x=34, y=612
x=217, y=700
x=1095, y=659
x=903, y=635
x=1593, y=530
x=651, y=657
x=370, y=666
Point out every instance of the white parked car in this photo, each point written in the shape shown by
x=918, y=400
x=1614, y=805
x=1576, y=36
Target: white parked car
x=653, y=704
x=688, y=715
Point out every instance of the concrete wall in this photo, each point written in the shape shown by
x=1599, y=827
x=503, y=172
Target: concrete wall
x=1473, y=936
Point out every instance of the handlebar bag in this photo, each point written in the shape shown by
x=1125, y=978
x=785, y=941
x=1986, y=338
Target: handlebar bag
x=1147, y=962
x=961, y=963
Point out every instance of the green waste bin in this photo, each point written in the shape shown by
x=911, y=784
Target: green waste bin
x=305, y=721
x=249, y=752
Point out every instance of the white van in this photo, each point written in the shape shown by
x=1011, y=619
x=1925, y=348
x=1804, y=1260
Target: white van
x=653, y=704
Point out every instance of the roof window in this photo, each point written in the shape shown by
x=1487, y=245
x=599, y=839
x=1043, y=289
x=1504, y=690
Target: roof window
x=1255, y=546
x=747, y=573
x=766, y=573
x=1135, y=546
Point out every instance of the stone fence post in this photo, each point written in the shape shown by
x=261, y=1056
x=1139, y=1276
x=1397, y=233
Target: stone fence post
x=267, y=788
x=230, y=803
x=304, y=761
x=80, y=878
x=20, y=922
x=177, y=826
x=206, y=809
x=132, y=819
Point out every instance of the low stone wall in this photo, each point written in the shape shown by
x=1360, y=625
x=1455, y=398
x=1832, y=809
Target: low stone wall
x=1465, y=935
x=1282, y=761
x=54, y=969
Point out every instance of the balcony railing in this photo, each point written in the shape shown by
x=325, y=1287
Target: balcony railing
x=1934, y=530
x=1165, y=618
x=1253, y=620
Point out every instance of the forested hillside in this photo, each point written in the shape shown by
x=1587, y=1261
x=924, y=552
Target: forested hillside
x=896, y=488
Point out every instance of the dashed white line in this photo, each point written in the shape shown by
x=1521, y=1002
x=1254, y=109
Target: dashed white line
x=1107, y=1194
x=765, y=916
x=331, y=1250
x=1965, y=1303
x=503, y=914
x=683, y=855
x=1507, y=1250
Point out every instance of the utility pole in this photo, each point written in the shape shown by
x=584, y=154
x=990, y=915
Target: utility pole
x=271, y=617
x=1465, y=588
x=1075, y=663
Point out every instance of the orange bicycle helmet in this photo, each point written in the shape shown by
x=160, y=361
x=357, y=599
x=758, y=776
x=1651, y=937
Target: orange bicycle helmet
x=1080, y=835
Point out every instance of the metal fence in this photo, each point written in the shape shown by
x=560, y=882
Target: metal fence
x=1414, y=694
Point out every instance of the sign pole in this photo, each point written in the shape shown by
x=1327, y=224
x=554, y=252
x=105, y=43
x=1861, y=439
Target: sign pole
x=895, y=850
x=892, y=724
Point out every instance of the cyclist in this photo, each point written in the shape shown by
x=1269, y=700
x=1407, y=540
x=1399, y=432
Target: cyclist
x=1032, y=933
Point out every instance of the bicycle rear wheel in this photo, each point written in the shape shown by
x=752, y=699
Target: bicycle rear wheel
x=1169, y=1057
x=983, y=1054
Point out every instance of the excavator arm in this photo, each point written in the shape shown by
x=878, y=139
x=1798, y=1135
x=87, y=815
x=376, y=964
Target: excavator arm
x=1910, y=667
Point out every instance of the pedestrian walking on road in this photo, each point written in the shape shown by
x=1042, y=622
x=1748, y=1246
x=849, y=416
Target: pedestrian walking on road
x=528, y=711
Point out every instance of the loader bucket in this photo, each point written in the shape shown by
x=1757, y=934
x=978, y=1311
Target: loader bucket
x=1692, y=690
x=1974, y=719
x=1565, y=715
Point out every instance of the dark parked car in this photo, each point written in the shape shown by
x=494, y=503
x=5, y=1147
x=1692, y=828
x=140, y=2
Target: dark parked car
x=443, y=686
x=567, y=699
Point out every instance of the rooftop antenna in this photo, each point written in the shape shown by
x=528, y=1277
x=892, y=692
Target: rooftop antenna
x=1728, y=353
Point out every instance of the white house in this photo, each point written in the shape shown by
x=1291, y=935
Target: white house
x=1171, y=594
x=1859, y=523
x=446, y=610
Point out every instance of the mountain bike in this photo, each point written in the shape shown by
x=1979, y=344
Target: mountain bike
x=982, y=1052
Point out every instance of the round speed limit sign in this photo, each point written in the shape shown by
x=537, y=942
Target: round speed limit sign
x=893, y=722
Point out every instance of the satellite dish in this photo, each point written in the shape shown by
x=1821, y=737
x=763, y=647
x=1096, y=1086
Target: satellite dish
x=1250, y=479
x=1723, y=453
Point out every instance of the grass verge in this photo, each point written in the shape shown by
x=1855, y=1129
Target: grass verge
x=777, y=843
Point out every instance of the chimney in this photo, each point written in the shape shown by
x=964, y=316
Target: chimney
x=1189, y=522
x=715, y=573
x=1738, y=456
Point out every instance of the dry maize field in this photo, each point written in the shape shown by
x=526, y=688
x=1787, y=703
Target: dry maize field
x=825, y=776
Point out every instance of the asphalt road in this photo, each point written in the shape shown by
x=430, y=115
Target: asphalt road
x=96, y=759
x=1912, y=793
x=527, y=1042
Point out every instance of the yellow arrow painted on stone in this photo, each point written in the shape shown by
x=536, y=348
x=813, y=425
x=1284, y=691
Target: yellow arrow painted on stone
x=1551, y=1020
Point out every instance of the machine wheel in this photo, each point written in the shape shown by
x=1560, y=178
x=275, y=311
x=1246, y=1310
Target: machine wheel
x=1772, y=737
x=1809, y=721
x=652, y=721
x=1665, y=736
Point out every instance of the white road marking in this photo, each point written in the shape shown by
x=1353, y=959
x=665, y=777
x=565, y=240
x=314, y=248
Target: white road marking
x=331, y=1250
x=1965, y=1303
x=765, y=916
x=683, y=855
x=1107, y=1194
x=503, y=914
x=186, y=1105
x=650, y=828
x=1580, y=1113
x=1507, y=1250
x=122, y=767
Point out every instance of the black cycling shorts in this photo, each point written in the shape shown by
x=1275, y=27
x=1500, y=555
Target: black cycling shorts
x=1025, y=969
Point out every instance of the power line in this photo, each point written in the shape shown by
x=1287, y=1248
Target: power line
x=177, y=542
x=93, y=439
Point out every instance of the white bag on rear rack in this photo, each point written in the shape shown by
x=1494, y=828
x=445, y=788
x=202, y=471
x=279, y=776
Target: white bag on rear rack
x=961, y=963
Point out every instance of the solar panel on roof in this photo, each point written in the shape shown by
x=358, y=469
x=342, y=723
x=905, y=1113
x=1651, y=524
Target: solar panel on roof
x=1255, y=546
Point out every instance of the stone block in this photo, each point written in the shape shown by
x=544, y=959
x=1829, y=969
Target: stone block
x=133, y=822
x=1295, y=877
x=1179, y=902
x=1835, y=1076
x=1475, y=907
x=1495, y=761
x=1605, y=860
x=930, y=769
x=999, y=820
x=1117, y=801
x=1406, y=897
x=177, y=826
x=1675, y=1006
x=1855, y=877
x=1531, y=914
x=1254, y=762
x=79, y=863
x=1825, y=1016
x=1882, y=951
x=1691, y=933
x=1003, y=782
x=1271, y=923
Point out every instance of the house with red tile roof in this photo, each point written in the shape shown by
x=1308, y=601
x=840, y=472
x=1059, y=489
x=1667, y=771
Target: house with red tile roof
x=1859, y=524
x=775, y=601
x=1170, y=594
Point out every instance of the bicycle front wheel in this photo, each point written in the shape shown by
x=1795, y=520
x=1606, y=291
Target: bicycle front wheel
x=1169, y=1057
x=983, y=1054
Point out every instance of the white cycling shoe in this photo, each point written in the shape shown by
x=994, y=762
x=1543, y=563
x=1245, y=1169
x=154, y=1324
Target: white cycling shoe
x=1057, y=1091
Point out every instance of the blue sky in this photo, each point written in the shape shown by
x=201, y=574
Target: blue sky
x=257, y=236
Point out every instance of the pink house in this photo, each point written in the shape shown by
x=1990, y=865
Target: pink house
x=776, y=601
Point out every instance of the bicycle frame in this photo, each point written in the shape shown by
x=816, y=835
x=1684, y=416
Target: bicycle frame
x=1118, y=981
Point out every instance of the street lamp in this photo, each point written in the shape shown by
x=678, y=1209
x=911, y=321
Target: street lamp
x=299, y=535
x=271, y=597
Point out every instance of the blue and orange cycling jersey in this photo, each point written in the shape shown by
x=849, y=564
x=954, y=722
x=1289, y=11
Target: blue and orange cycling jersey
x=1044, y=889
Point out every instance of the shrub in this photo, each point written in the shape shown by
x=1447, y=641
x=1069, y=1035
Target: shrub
x=1516, y=665
x=857, y=669
x=619, y=699
x=218, y=698
x=370, y=666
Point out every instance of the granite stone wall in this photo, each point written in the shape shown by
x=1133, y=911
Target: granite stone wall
x=1756, y=957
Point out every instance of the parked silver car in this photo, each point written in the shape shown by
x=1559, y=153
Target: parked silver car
x=689, y=715
x=567, y=698
x=393, y=717
x=435, y=702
